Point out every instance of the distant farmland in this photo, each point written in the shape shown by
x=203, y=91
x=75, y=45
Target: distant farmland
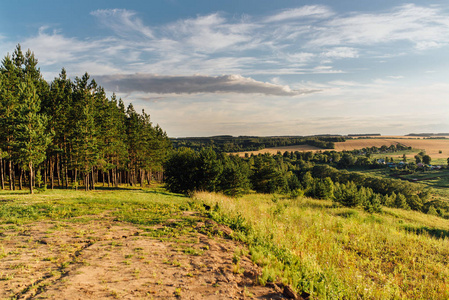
x=274, y=150
x=431, y=146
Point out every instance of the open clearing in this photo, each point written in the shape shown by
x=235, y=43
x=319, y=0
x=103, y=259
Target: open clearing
x=72, y=245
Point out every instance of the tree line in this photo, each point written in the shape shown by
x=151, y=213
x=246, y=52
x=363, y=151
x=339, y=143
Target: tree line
x=319, y=175
x=227, y=143
x=68, y=133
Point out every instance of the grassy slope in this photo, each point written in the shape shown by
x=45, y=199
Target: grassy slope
x=328, y=251
x=335, y=252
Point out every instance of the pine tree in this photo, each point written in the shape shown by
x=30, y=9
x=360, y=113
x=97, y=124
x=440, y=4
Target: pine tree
x=8, y=104
x=31, y=137
x=84, y=134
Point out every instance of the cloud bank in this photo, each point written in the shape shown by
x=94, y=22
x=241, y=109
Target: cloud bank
x=151, y=83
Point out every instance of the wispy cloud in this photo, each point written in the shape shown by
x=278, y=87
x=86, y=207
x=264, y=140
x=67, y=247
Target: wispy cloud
x=151, y=83
x=412, y=23
x=308, y=11
x=303, y=40
x=123, y=22
x=341, y=52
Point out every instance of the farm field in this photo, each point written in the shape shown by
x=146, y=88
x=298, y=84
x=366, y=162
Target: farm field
x=431, y=146
x=275, y=150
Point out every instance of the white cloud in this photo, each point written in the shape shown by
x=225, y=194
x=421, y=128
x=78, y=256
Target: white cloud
x=150, y=83
x=303, y=40
x=341, y=52
x=308, y=11
x=409, y=22
x=301, y=57
x=123, y=22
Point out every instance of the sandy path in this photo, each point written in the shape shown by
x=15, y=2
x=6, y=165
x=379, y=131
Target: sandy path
x=103, y=259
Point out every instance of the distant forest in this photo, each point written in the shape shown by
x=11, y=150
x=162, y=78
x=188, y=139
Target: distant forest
x=68, y=132
x=320, y=175
x=227, y=143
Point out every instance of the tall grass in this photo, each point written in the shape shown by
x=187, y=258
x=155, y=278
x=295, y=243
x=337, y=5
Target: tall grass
x=334, y=252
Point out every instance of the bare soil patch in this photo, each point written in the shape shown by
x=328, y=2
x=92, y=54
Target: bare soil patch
x=105, y=259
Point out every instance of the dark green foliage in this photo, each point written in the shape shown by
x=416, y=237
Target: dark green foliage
x=426, y=159
x=181, y=169
x=268, y=176
x=226, y=143
x=347, y=194
x=92, y=136
x=187, y=171
x=234, y=180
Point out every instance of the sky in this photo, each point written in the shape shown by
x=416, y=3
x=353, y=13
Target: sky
x=254, y=67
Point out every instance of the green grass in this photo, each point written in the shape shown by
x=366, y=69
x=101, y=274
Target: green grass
x=138, y=206
x=339, y=253
x=328, y=251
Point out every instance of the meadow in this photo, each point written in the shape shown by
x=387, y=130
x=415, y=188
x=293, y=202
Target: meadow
x=131, y=243
x=341, y=253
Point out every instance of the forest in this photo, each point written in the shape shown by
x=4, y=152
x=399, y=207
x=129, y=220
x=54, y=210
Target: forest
x=319, y=175
x=68, y=133
x=227, y=143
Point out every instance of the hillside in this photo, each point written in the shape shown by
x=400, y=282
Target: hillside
x=119, y=244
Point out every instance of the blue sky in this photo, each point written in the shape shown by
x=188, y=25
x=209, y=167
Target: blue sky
x=251, y=67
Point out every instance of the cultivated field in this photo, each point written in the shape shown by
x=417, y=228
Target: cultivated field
x=274, y=150
x=431, y=146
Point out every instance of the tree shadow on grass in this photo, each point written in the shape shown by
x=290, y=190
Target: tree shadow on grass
x=424, y=230
x=159, y=192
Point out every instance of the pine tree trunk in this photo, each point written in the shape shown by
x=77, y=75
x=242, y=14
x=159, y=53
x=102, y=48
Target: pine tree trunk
x=52, y=175
x=11, y=177
x=76, y=183
x=93, y=180
x=58, y=170
x=142, y=177
x=20, y=179
x=86, y=181
x=149, y=174
x=45, y=175
x=2, y=174
x=30, y=165
x=66, y=177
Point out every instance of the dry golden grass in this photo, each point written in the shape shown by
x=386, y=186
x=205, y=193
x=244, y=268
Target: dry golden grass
x=335, y=252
